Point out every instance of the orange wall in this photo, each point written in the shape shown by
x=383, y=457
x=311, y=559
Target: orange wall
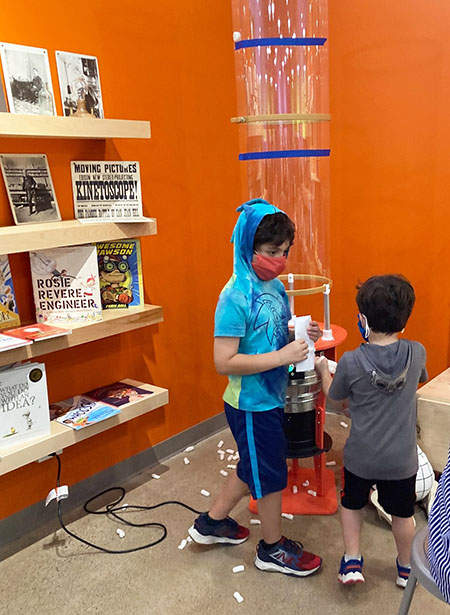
x=390, y=177
x=173, y=63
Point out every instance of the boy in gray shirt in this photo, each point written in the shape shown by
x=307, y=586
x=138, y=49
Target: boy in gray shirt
x=378, y=382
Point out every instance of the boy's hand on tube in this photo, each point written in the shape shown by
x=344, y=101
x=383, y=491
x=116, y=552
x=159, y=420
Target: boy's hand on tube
x=313, y=331
x=294, y=352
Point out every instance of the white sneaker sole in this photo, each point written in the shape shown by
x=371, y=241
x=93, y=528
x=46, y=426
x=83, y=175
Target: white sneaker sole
x=401, y=582
x=269, y=567
x=212, y=540
x=351, y=578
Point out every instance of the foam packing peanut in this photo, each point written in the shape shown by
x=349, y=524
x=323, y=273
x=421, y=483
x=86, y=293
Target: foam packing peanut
x=238, y=597
x=240, y=568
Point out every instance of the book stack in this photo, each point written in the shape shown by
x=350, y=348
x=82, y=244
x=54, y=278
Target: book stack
x=8, y=342
x=96, y=405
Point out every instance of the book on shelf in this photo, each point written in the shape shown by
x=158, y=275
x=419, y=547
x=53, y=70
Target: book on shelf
x=9, y=316
x=24, y=410
x=38, y=331
x=7, y=342
x=66, y=285
x=120, y=271
x=80, y=411
x=105, y=190
x=118, y=393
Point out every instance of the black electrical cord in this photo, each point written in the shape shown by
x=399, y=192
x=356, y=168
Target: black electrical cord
x=112, y=509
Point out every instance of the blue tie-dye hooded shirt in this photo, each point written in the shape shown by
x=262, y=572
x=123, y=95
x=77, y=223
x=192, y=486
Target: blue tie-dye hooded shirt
x=255, y=311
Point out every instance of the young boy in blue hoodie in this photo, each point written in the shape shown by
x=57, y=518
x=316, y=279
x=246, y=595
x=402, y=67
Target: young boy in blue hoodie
x=251, y=347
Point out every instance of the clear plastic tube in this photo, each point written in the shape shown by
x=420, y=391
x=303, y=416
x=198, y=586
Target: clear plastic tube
x=280, y=76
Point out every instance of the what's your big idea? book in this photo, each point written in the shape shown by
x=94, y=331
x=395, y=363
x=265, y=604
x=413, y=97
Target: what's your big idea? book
x=66, y=285
x=24, y=409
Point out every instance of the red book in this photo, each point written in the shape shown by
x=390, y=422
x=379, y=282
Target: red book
x=38, y=331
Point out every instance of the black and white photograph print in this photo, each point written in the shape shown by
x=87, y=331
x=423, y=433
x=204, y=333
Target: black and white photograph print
x=3, y=107
x=30, y=188
x=28, y=80
x=79, y=79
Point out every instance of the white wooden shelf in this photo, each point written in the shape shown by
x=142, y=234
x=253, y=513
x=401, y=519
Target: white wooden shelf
x=62, y=436
x=58, y=127
x=114, y=322
x=26, y=237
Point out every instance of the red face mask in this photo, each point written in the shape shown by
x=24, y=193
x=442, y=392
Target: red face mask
x=268, y=267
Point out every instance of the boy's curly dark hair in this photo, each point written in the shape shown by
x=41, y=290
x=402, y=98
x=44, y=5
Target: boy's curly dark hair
x=387, y=302
x=275, y=229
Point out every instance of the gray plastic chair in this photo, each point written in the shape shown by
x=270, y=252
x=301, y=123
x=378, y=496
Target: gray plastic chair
x=420, y=572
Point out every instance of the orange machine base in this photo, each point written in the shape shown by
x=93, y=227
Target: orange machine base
x=302, y=503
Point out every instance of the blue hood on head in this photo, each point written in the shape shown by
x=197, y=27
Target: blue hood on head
x=243, y=236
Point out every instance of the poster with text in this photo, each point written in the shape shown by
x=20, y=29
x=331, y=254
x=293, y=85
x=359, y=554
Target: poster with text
x=107, y=191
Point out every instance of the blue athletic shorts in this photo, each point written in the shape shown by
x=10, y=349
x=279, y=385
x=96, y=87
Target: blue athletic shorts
x=262, y=448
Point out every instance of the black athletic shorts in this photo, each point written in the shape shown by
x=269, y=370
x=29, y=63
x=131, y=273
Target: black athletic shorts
x=397, y=497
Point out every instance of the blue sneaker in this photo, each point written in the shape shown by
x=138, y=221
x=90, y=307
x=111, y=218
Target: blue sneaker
x=227, y=532
x=288, y=557
x=402, y=575
x=350, y=572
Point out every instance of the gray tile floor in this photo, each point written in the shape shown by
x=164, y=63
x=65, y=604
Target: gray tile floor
x=59, y=575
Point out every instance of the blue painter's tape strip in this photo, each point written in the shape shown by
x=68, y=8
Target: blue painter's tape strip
x=285, y=153
x=283, y=41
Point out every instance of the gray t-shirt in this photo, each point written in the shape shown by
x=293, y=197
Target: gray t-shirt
x=382, y=441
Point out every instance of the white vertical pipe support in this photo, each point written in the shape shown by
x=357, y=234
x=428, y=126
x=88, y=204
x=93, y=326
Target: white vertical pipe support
x=327, y=332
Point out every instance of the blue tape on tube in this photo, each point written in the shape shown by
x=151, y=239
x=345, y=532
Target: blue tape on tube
x=283, y=41
x=285, y=153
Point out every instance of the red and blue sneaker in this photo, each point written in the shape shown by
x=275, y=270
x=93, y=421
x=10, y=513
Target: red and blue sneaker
x=350, y=571
x=402, y=575
x=287, y=557
x=227, y=531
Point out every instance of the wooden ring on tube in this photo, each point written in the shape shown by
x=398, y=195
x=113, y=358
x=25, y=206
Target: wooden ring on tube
x=305, y=277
